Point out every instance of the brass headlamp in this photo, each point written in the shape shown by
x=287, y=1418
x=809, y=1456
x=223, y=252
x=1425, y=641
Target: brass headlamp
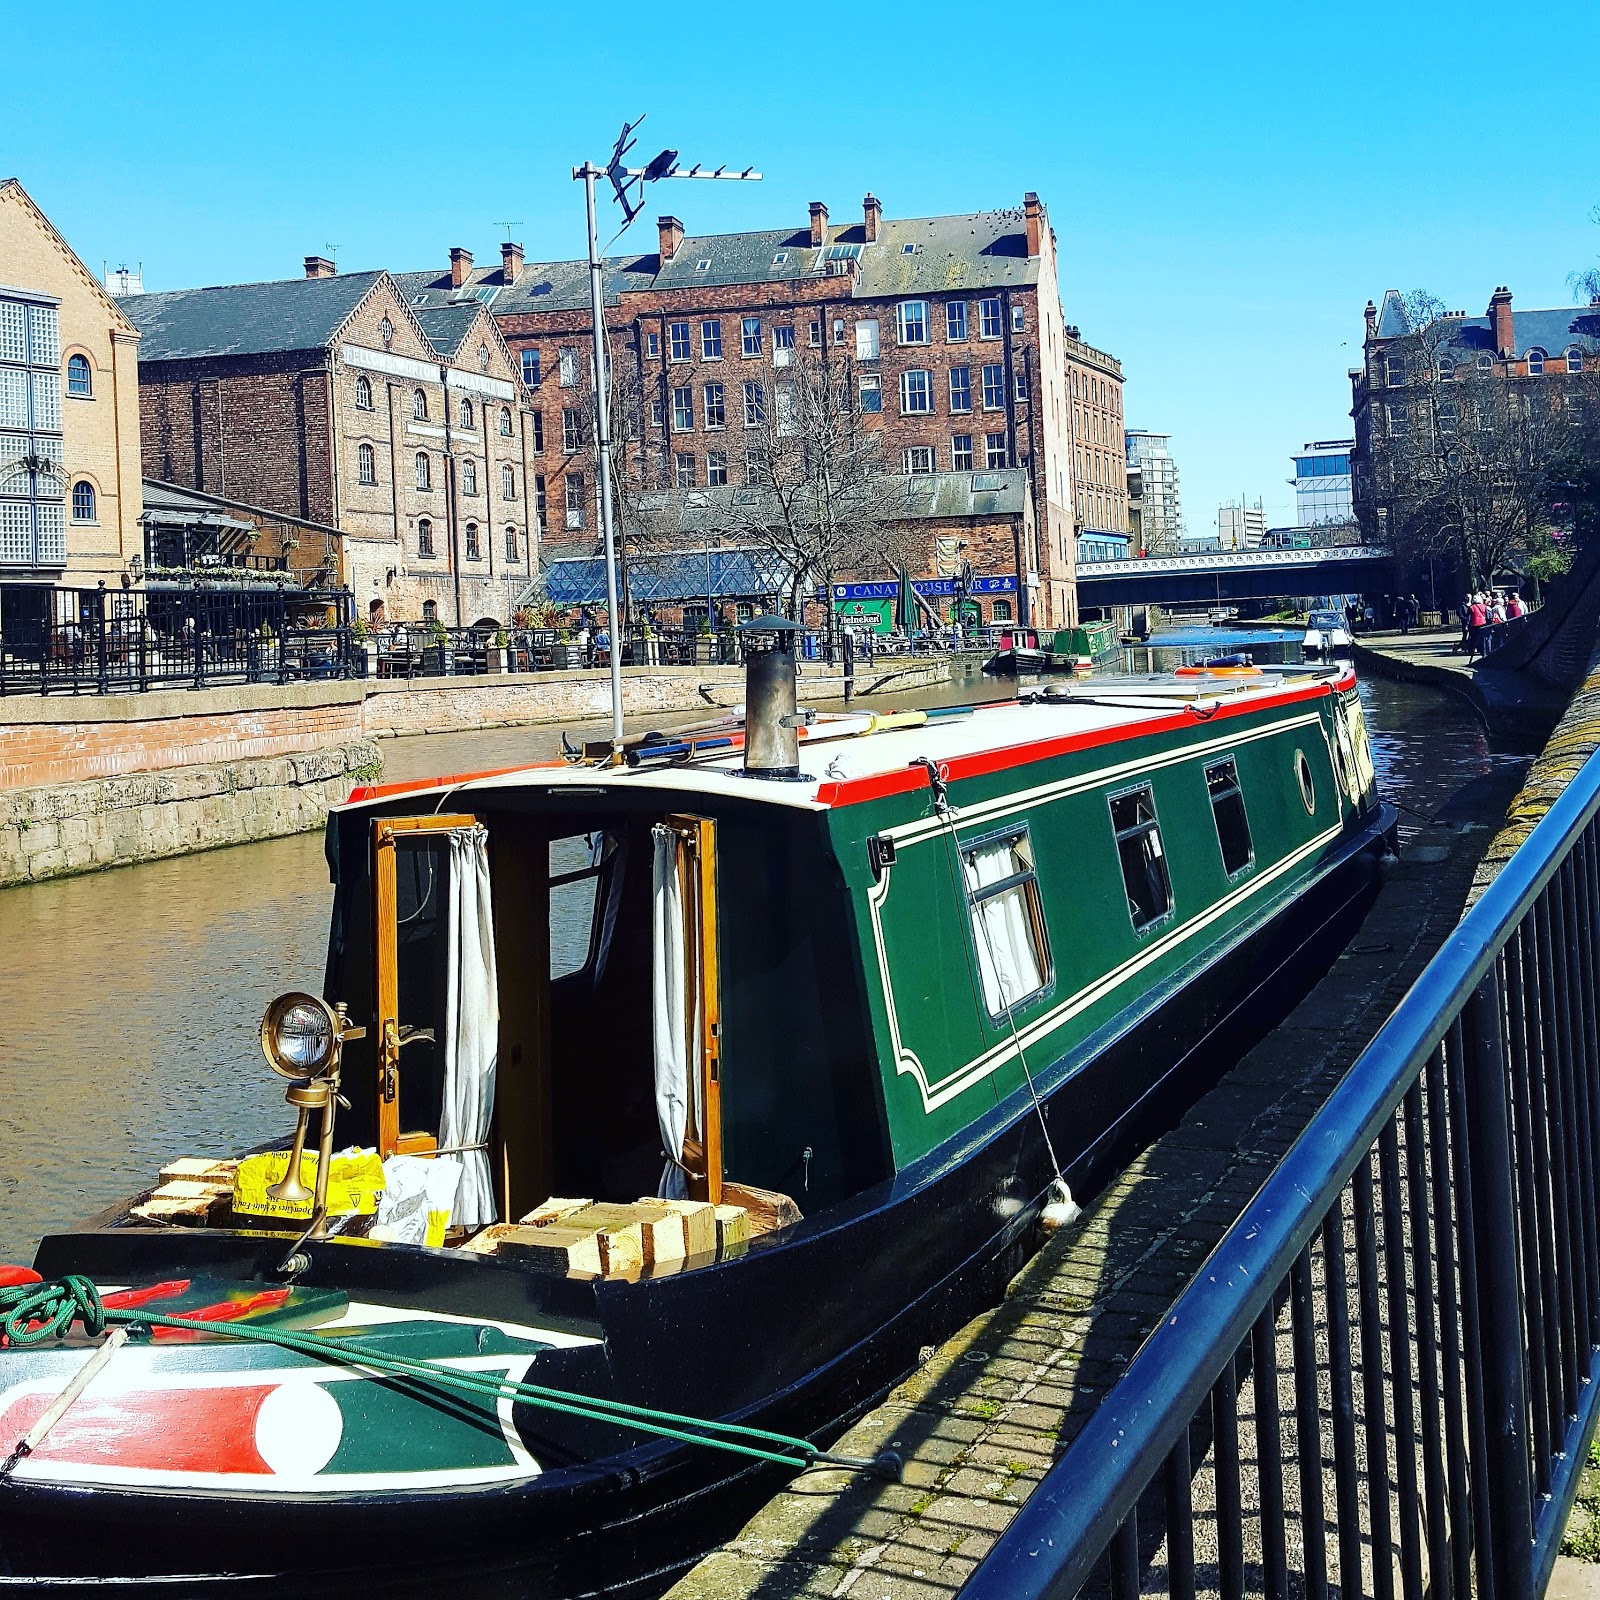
x=303, y=1039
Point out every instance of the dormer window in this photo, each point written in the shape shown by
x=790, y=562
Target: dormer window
x=1535, y=359
x=1574, y=359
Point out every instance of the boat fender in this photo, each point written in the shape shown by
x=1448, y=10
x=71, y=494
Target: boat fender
x=1061, y=1209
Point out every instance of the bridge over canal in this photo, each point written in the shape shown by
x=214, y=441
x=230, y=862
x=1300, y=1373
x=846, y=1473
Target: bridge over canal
x=1211, y=576
x=1338, y=1334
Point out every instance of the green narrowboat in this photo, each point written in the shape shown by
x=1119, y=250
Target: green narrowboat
x=821, y=1009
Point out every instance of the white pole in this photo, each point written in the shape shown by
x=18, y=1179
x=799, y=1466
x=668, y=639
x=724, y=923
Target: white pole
x=602, y=410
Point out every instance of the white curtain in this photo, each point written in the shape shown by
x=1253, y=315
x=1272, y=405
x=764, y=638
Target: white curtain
x=1008, y=962
x=669, y=1007
x=472, y=1026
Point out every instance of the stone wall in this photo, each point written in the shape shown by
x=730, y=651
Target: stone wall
x=54, y=830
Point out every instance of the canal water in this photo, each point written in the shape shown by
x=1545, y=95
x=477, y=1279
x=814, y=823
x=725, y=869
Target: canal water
x=130, y=1000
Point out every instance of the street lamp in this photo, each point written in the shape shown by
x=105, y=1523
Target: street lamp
x=623, y=179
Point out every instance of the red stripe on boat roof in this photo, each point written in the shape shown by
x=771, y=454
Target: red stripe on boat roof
x=880, y=785
x=382, y=791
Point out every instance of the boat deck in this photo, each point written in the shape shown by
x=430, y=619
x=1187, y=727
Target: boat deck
x=845, y=757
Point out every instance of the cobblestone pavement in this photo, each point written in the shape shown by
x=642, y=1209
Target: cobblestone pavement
x=981, y=1422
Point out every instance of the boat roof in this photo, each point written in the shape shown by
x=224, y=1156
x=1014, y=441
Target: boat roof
x=847, y=758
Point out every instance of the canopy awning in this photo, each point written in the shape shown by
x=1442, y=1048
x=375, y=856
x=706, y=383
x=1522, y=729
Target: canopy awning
x=679, y=576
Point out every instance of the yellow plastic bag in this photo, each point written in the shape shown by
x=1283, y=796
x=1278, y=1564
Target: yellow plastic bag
x=355, y=1180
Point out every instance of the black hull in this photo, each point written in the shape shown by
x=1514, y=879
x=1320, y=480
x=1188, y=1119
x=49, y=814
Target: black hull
x=742, y=1339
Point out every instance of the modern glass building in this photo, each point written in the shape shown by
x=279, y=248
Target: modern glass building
x=1322, y=482
x=1161, y=512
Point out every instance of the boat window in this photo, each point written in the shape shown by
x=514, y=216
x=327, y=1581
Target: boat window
x=1007, y=921
x=1144, y=862
x=1227, y=811
x=1308, y=789
x=577, y=864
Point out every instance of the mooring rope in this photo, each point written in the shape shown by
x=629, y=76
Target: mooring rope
x=32, y=1313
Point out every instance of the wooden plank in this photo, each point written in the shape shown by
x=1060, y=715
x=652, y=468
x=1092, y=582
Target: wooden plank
x=553, y=1210
x=704, y=1156
x=699, y=1220
x=768, y=1210
x=555, y=1247
x=662, y=1235
x=200, y=1167
x=416, y=1144
x=733, y=1230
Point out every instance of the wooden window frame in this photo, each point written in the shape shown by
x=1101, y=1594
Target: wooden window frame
x=386, y=832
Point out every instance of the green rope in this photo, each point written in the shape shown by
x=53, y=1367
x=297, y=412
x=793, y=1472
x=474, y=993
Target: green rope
x=54, y=1307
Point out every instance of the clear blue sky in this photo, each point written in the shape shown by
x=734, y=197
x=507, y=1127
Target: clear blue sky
x=1228, y=184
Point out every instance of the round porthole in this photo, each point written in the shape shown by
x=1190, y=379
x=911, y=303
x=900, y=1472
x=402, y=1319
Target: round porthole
x=1308, y=790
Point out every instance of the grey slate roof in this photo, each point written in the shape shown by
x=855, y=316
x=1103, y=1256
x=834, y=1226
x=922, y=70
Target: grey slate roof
x=243, y=319
x=541, y=286
x=1551, y=330
x=981, y=250
x=447, y=325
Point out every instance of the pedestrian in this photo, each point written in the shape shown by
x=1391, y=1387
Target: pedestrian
x=1477, y=620
x=583, y=640
x=1402, y=614
x=1515, y=607
x=602, y=646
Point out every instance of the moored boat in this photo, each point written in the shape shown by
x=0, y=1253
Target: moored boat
x=852, y=996
x=1327, y=635
x=1017, y=653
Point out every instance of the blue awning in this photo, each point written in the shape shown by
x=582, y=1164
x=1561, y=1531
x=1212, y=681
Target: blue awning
x=682, y=575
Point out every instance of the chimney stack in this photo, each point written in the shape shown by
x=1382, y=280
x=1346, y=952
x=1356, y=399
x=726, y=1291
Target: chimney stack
x=1372, y=319
x=871, y=216
x=320, y=267
x=460, y=266
x=1499, y=314
x=1033, y=215
x=819, y=223
x=669, y=232
x=510, y=262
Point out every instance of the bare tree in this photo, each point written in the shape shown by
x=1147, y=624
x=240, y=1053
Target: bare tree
x=1468, y=462
x=816, y=491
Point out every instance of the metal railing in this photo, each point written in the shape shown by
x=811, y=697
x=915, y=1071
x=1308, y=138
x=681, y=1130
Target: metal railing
x=1449, y=1378
x=100, y=641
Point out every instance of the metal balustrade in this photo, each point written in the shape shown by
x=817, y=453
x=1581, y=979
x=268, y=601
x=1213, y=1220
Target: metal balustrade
x=1382, y=1381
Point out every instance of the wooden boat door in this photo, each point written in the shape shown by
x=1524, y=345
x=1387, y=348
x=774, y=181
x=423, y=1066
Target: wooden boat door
x=702, y=1021
x=410, y=877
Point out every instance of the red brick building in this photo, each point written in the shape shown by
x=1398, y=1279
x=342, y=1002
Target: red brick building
x=952, y=326
x=330, y=398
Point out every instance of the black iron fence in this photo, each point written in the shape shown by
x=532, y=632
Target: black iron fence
x=101, y=641
x=1383, y=1379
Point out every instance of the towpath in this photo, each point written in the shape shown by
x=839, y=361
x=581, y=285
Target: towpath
x=987, y=1413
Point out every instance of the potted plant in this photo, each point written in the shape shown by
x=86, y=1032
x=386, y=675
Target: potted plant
x=366, y=647
x=438, y=659
x=496, y=655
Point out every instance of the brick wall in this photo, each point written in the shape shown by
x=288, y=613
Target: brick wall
x=60, y=741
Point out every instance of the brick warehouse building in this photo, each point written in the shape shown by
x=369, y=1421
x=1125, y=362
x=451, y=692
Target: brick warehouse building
x=953, y=326
x=329, y=398
x=1099, y=458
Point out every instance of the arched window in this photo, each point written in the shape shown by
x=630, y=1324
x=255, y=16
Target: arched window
x=1535, y=363
x=466, y=412
x=505, y=421
x=363, y=393
x=1447, y=368
x=424, y=470
x=1574, y=358
x=1484, y=363
x=511, y=543
x=419, y=406
x=82, y=501
x=469, y=477
x=425, y=548
x=508, y=483
x=79, y=381
x=366, y=463
x=473, y=552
